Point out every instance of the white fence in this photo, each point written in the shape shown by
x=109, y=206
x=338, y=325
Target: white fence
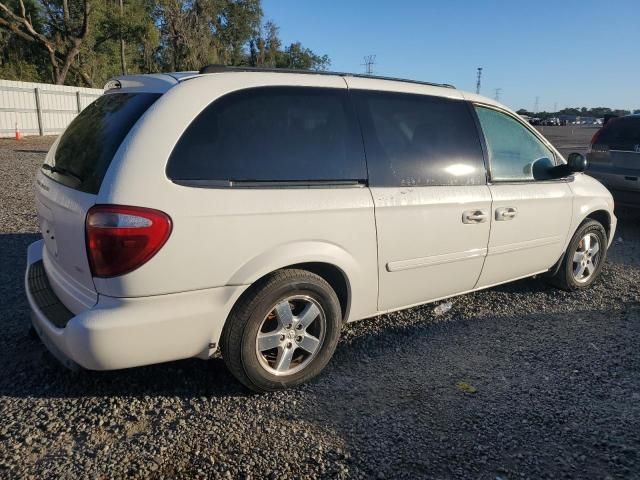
x=40, y=108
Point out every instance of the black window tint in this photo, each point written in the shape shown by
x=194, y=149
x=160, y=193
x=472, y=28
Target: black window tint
x=90, y=141
x=272, y=134
x=414, y=140
x=621, y=133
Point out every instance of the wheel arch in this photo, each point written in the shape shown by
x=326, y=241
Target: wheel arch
x=603, y=217
x=329, y=261
x=595, y=212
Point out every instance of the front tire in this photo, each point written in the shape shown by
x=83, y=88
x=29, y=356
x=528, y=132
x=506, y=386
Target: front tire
x=583, y=260
x=283, y=331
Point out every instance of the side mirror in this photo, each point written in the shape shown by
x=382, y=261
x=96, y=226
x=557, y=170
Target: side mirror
x=544, y=169
x=577, y=162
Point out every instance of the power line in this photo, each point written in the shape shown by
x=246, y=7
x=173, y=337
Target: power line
x=497, y=95
x=369, y=62
x=478, y=83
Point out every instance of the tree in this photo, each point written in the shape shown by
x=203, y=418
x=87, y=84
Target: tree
x=197, y=32
x=66, y=29
x=265, y=50
x=21, y=59
x=300, y=58
x=233, y=25
x=88, y=41
x=120, y=43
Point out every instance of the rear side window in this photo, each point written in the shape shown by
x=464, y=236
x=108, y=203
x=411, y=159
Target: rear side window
x=621, y=133
x=419, y=140
x=89, y=143
x=272, y=134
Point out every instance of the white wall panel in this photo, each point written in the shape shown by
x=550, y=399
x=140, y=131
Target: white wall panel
x=58, y=105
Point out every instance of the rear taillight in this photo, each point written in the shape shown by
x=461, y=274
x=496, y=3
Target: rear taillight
x=121, y=239
x=594, y=139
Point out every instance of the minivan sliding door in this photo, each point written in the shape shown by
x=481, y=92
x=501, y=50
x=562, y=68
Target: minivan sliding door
x=432, y=204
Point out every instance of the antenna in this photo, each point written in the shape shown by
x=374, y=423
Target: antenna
x=478, y=82
x=369, y=62
x=497, y=95
x=536, y=106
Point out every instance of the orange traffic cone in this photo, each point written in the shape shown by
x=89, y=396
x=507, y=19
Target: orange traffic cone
x=18, y=134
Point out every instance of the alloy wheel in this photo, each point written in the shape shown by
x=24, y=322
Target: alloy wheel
x=291, y=335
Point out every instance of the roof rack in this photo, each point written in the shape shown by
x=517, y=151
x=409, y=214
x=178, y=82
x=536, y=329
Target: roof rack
x=217, y=68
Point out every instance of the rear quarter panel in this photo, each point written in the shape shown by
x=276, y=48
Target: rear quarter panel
x=232, y=236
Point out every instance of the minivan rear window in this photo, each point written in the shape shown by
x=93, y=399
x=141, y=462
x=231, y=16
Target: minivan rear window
x=89, y=143
x=271, y=135
x=621, y=133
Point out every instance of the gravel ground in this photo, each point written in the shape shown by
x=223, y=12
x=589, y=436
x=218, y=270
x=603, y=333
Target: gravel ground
x=520, y=381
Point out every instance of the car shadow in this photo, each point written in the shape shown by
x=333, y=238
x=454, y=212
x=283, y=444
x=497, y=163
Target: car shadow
x=28, y=370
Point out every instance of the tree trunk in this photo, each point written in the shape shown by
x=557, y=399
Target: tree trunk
x=68, y=60
x=123, y=59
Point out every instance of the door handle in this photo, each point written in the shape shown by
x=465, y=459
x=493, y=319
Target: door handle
x=474, y=216
x=506, y=213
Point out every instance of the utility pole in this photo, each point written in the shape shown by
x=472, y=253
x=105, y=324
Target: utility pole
x=479, y=78
x=497, y=95
x=369, y=62
x=536, y=106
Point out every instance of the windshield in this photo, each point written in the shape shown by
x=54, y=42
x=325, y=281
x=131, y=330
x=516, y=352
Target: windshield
x=88, y=145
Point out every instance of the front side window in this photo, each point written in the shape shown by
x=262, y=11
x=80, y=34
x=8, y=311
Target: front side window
x=512, y=148
x=272, y=134
x=419, y=140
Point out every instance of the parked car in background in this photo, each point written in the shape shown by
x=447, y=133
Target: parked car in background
x=550, y=122
x=256, y=211
x=614, y=158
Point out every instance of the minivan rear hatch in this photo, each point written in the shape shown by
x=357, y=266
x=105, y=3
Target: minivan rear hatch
x=68, y=184
x=621, y=139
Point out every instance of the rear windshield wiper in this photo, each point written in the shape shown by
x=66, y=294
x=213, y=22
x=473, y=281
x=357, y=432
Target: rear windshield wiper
x=61, y=171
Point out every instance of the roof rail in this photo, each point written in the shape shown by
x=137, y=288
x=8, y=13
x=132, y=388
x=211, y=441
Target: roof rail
x=217, y=68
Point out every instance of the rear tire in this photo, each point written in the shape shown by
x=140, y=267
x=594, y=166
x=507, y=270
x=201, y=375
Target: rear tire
x=583, y=260
x=283, y=331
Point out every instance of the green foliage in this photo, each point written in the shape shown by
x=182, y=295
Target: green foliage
x=20, y=59
x=145, y=36
x=265, y=50
x=20, y=70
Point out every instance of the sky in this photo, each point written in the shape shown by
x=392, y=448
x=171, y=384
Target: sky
x=565, y=52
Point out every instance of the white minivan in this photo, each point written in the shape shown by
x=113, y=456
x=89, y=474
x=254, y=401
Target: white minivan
x=253, y=212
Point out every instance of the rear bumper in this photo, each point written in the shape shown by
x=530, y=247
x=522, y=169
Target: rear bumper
x=126, y=332
x=626, y=198
x=625, y=189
